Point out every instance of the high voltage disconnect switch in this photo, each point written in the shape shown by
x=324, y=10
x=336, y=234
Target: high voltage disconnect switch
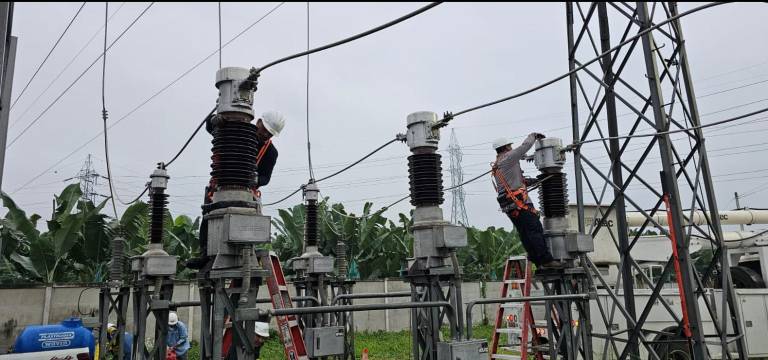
x=234, y=219
x=434, y=272
x=565, y=245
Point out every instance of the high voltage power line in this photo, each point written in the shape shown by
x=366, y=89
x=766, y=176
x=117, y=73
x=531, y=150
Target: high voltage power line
x=62, y=71
x=24, y=131
x=55, y=44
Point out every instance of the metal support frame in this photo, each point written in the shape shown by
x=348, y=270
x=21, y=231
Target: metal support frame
x=669, y=103
x=111, y=301
x=567, y=294
x=151, y=296
x=217, y=301
x=340, y=289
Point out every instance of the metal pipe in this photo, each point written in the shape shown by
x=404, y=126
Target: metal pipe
x=472, y=304
x=368, y=307
x=295, y=298
x=370, y=296
x=734, y=217
x=176, y=305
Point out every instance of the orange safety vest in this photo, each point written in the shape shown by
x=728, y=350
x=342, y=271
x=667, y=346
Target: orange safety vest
x=518, y=196
x=255, y=191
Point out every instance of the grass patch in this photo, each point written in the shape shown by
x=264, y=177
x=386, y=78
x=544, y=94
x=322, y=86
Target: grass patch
x=381, y=345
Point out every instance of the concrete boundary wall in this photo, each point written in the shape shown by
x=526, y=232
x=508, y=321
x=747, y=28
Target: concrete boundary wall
x=20, y=307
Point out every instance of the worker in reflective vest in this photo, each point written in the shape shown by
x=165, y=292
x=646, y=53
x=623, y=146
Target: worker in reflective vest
x=514, y=200
x=268, y=125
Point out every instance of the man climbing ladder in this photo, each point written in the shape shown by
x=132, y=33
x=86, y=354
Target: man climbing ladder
x=513, y=198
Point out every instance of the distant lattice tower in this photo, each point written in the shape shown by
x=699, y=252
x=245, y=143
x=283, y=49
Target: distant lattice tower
x=458, y=210
x=88, y=178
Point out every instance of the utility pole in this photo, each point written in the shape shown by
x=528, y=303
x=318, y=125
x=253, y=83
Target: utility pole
x=7, y=62
x=458, y=210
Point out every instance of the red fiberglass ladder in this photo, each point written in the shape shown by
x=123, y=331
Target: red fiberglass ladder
x=288, y=326
x=517, y=277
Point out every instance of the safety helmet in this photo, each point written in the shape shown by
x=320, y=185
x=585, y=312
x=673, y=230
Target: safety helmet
x=273, y=121
x=262, y=329
x=501, y=142
x=173, y=319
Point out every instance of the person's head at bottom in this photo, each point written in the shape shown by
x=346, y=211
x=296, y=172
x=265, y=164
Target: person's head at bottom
x=173, y=320
x=262, y=334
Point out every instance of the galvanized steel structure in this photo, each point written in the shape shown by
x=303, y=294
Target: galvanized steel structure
x=659, y=100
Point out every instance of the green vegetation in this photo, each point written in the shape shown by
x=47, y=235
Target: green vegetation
x=381, y=345
x=76, y=245
x=75, y=248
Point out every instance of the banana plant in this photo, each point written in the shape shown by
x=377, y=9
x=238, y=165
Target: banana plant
x=46, y=257
x=486, y=254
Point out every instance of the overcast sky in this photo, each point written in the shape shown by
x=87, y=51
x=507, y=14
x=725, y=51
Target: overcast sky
x=452, y=57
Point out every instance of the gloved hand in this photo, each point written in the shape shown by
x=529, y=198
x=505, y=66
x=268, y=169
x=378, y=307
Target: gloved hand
x=528, y=181
x=539, y=135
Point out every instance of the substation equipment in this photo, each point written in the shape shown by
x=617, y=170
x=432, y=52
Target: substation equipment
x=568, y=246
x=434, y=273
x=325, y=334
x=235, y=225
x=153, y=275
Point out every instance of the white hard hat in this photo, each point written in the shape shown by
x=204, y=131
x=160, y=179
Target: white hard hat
x=262, y=329
x=273, y=121
x=500, y=142
x=110, y=325
x=173, y=319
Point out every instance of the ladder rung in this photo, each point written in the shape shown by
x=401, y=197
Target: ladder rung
x=282, y=287
x=509, y=330
x=514, y=281
x=513, y=305
x=506, y=357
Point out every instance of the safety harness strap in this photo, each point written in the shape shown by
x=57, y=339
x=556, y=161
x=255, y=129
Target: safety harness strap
x=518, y=196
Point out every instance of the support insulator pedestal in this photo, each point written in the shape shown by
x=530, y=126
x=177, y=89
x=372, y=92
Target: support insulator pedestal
x=155, y=262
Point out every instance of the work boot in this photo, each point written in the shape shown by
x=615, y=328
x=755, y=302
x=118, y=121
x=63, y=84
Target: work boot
x=552, y=265
x=198, y=262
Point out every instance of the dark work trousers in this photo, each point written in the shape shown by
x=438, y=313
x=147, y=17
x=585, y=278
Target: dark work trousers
x=532, y=236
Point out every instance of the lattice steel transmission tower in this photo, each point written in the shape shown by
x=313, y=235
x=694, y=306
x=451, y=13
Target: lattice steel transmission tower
x=89, y=180
x=458, y=210
x=646, y=88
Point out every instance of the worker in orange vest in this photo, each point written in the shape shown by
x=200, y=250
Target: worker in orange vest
x=268, y=125
x=514, y=200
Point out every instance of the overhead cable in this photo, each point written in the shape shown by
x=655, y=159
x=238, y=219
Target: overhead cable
x=23, y=90
x=351, y=38
x=674, y=131
x=207, y=118
x=397, y=138
x=449, y=116
x=112, y=194
x=77, y=79
x=66, y=67
x=309, y=145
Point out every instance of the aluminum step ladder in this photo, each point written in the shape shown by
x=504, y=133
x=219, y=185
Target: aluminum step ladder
x=517, y=283
x=287, y=326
